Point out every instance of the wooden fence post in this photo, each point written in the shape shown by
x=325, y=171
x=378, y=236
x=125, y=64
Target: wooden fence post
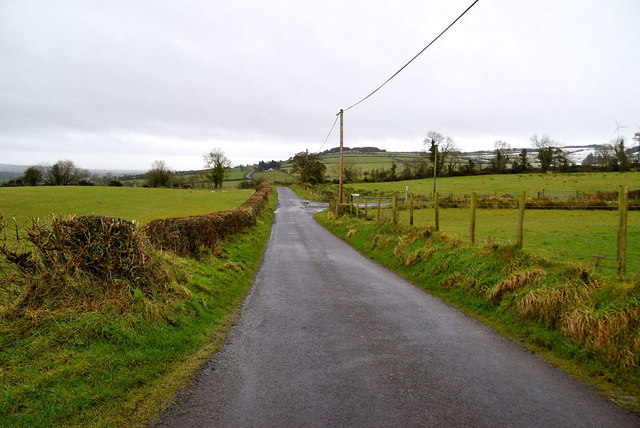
x=357, y=207
x=395, y=208
x=474, y=205
x=411, y=209
x=623, y=198
x=521, y=202
x=437, y=210
x=378, y=202
x=366, y=209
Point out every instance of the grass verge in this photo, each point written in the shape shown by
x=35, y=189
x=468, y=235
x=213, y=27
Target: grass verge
x=561, y=311
x=121, y=366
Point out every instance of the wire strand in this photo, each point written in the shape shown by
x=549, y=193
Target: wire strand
x=416, y=56
x=329, y=134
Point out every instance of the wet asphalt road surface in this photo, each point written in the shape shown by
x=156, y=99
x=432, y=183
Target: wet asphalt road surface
x=329, y=338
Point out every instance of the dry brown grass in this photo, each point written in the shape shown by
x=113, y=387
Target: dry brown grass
x=453, y=280
x=351, y=232
x=413, y=257
x=549, y=306
x=614, y=333
x=514, y=282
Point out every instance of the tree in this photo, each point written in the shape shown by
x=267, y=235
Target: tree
x=217, y=165
x=159, y=175
x=501, y=157
x=309, y=166
x=545, y=147
x=622, y=160
x=62, y=173
x=32, y=176
x=605, y=157
x=350, y=171
x=445, y=146
x=521, y=164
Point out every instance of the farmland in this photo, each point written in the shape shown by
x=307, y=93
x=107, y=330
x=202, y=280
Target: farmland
x=556, y=184
x=589, y=237
x=139, y=204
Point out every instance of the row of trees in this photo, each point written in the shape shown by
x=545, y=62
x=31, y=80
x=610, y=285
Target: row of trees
x=544, y=155
x=216, y=166
x=61, y=173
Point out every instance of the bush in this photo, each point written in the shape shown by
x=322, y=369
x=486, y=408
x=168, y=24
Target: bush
x=115, y=183
x=80, y=262
x=189, y=236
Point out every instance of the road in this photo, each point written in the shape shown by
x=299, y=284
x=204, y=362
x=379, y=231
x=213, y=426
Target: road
x=329, y=338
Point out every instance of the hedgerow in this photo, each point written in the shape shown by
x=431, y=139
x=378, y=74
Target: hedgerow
x=189, y=236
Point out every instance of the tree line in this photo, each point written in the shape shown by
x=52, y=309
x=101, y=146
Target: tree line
x=65, y=173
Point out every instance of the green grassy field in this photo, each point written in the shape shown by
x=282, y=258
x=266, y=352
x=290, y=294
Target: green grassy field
x=368, y=161
x=506, y=184
x=139, y=204
x=588, y=237
x=279, y=176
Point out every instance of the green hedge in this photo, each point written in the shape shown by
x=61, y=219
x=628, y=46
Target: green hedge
x=188, y=236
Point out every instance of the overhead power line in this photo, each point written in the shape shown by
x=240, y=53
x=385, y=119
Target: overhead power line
x=411, y=60
x=329, y=134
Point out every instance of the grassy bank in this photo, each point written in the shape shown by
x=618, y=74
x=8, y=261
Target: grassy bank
x=121, y=364
x=573, y=318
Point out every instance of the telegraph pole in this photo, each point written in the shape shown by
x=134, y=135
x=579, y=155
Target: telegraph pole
x=435, y=168
x=341, y=145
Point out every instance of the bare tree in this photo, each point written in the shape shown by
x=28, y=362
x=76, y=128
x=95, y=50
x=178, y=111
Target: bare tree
x=62, y=173
x=546, y=148
x=445, y=147
x=501, y=156
x=159, y=175
x=216, y=164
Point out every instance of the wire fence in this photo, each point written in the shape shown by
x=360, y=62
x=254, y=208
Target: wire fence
x=560, y=233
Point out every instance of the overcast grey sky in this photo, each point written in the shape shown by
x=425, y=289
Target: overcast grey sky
x=119, y=84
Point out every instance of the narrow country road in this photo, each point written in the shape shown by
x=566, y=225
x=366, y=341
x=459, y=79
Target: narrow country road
x=329, y=338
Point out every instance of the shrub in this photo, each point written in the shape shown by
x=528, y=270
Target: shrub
x=188, y=236
x=80, y=262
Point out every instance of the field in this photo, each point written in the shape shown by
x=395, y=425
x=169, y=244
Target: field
x=589, y=237
x=270, y=176
x=139, y=204
x=555, y=185
x=368, y=161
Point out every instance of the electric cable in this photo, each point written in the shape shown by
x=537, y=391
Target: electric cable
x=416, y=56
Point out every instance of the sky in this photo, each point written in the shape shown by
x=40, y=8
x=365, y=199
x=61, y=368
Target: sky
x=120, y=84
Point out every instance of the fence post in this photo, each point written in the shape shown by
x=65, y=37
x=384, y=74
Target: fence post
x=437, y=210
x=378, y=202
x=474, y=204
x=622, y=229
x=357, y=200
x=411, y=209
x=366, y=209
x=521, y=202
x=395, y=208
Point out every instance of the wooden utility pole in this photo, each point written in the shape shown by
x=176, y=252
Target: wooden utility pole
x=341, y=145
x=435, y=169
